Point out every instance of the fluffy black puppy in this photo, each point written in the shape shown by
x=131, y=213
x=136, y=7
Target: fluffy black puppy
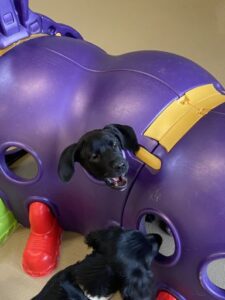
x=130, y=254
x=89, y=279
x=100, y=153
x=120, y=261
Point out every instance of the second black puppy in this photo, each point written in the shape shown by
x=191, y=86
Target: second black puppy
x=120, y=261
x=100, y=152
x=89, y=279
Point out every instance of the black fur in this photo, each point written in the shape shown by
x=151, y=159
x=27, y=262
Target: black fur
x=100, y=153
x=120, y=261
x=88, y=273
x=131, y=254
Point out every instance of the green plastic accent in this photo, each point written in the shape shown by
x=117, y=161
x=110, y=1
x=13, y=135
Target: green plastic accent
x=7, y=222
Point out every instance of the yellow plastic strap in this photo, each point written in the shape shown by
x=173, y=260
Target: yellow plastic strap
x=182, y=114
x=148, y=158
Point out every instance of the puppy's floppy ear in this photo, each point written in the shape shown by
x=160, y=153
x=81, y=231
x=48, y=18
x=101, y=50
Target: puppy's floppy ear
x=100, y=240
x=94, y=239
x=125, y=135
x=156, y=242
x=66, y=162
x=137, y=285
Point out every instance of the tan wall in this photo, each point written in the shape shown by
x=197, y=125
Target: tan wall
x=192, y=28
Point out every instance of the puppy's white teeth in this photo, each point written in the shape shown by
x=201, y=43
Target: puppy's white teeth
x=117, y=182
x=116, y=179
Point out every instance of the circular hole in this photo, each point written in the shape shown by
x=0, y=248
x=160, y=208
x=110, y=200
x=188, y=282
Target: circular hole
x=155, y=224
x=212, y=276
x=20, y=164
x=170, y=250
x=216, y=273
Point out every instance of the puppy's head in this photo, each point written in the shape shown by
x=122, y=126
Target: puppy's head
x=130, y=253
x=100, y=153
x=134, y=265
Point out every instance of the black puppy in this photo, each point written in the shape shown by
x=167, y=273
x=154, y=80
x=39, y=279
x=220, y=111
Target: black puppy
x=89, y=279
x=120, y=261
x=100, y=153
x=130, y=254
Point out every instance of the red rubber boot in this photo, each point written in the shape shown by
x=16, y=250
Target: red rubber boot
x=42, y=248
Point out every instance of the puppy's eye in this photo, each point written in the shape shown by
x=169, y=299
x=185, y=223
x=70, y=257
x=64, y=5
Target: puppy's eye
x=94, y=156
x=114, y=145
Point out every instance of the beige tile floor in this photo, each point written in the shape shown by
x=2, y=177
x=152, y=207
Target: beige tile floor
x=14, y=283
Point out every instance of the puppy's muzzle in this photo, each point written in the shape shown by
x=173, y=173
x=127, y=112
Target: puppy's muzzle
x=120, y=166
x=118, y=180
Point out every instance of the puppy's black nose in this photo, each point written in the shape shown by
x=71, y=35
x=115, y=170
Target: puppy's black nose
x=119, y=165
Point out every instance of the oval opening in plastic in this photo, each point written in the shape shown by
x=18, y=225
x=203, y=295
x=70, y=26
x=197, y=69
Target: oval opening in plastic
x=170, y=250
x=20, y=164
x=212, y=275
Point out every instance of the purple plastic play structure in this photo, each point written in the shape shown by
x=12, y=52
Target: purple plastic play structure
x=54, y=89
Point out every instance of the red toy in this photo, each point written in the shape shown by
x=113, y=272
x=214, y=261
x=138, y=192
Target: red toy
x=163, y=295
x=42, y=248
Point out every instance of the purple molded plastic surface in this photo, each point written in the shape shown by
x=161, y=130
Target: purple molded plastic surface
x=17, y=22
x=52, y=90
x=190, y=191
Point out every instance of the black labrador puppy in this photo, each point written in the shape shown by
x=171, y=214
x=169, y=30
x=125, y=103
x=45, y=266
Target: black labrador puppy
x=100, y=152
x=120, y=261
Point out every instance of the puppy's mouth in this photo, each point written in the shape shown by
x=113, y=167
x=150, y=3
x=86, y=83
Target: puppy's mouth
x=118, y=183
